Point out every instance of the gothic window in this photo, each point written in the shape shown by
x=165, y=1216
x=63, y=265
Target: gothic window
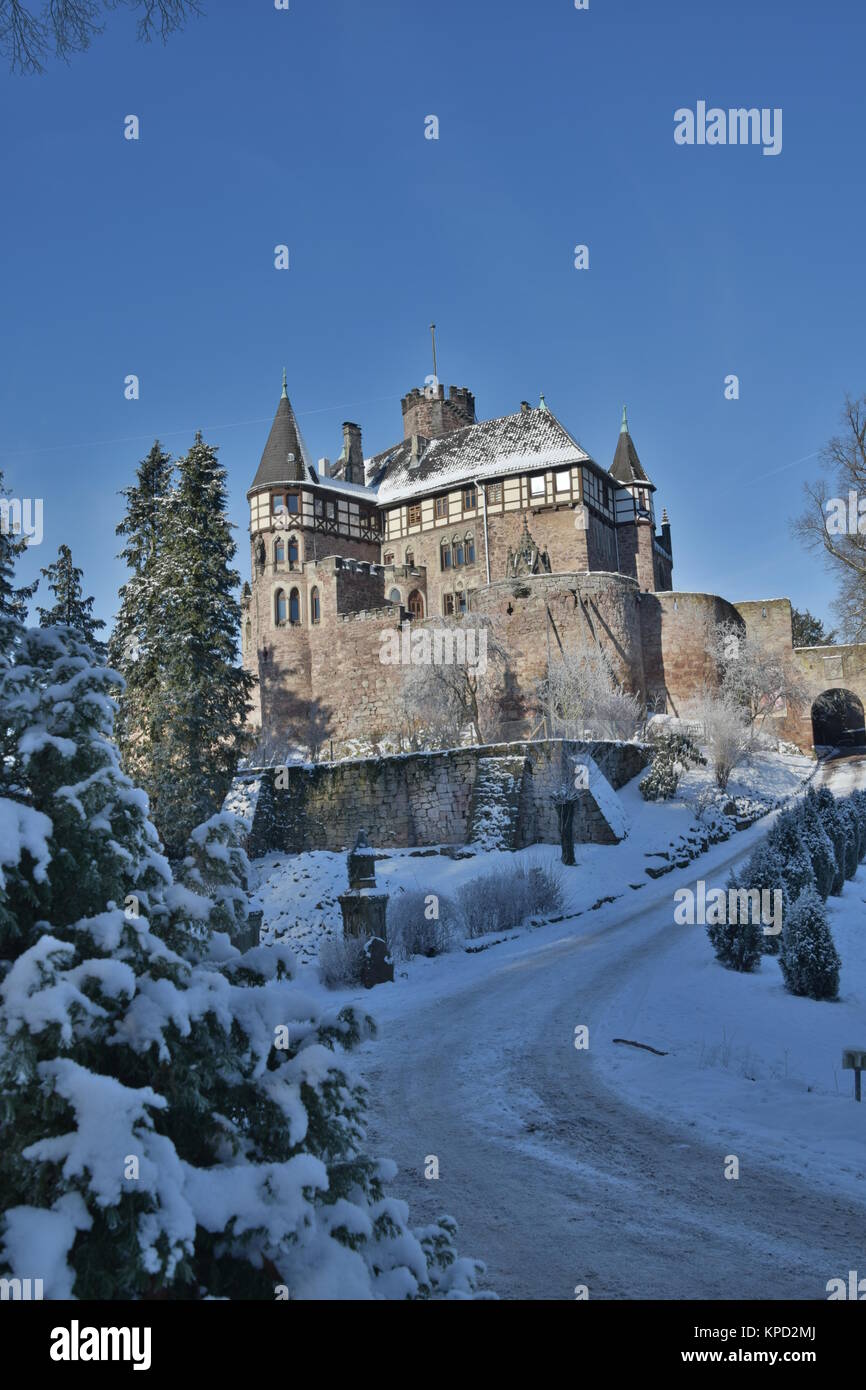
x=410, y=559
x=461, y=602
x=414, y=515
x=537, y=485
x=279, y=553
x=459, y=553
x=293, y=553
x=388, y=557
x=470, y=550
x=445, y=554
x=292, y=503
x=469, y=499
x=394, y=596
x=448, y=605
x=280, y=609
x=441, y=507
x=416, y=604
x=315, y=606
x=294, y=608
x=248, y=633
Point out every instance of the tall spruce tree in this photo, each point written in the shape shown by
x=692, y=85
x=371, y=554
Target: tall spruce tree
x=70, y=608
x=199, y=725
x=137, y=645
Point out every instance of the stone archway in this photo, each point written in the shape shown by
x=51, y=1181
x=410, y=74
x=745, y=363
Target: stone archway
x=838, y=720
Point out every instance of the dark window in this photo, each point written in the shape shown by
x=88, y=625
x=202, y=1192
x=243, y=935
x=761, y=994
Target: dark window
x=294, y=607
x=278, y=502
x=470, y=550
x=494, y=492
x=461, y=602
x=445, y=552
x=388, y=557
x=292, y=502
x=410, y=558
x=448, y=605
x=279, y=553
x=441, y=507
x=293, y=554
x=469, y=499
x=414, y=517
x=415, y=604
x=459, y=554
x=280, y=610
x=315, y=610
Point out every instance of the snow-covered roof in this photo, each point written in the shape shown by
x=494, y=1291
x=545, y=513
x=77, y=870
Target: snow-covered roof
x=526, y=442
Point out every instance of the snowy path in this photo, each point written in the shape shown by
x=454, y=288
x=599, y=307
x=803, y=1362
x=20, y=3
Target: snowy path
x=554, y=1179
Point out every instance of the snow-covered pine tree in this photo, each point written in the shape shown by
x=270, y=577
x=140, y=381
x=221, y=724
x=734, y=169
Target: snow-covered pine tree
x=850, y=821
x=179, y=1119
x=199, y=728
x=817, y=844
x=857, y=801
x=765, y=872
x=808, y=958
x=215, y=866
x=738, y=945
x=70, y=607
x=796, y=864
x=136, y=645
x=828, y=812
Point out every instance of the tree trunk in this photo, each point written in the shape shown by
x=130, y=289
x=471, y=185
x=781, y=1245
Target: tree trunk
x=565, y=813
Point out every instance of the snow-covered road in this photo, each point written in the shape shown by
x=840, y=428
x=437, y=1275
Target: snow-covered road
x=555, y=1180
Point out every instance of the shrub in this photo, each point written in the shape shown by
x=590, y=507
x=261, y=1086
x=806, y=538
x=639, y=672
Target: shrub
x=502, y=900
x=857, y=802
x=818, y=845
x=728, y=735
x=673, y=754
x=852, y=837
x=412, y=931
x=341, y=960
x=808, y=958
x=765, y=871
x=828, y=812
x=738, y=945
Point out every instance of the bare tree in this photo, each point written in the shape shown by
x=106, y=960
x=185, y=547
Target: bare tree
x=453, y=688
x=581, y=698
x=30, y=33
x=727, y=733
x=752, y=675
x=828, y=506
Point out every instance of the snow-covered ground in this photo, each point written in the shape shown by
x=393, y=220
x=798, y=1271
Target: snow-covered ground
x=298, y=892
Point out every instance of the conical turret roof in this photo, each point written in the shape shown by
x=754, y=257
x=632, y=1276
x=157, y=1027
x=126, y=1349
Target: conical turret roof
x=285, y=458
x=626, y=467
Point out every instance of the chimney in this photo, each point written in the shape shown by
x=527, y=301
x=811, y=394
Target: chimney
x=525, y=407
x=324, y=468
x=352, y=456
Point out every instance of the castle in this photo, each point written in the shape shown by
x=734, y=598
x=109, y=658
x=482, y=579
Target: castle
x=507, y=518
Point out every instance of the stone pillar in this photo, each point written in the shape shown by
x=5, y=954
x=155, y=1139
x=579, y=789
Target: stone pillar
x=365, y=914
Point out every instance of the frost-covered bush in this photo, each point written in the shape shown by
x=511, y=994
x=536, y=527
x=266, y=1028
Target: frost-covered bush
x=180, y=1120
x=808, y=958
x=423, y=924
x=502, y=900
x=214, y=866
x=341, y=961
x=828, y=812
x=817, y=844
x=673, y=754
x=738, y=945
x=728, y=734
x=765, y=872
x=852, y=836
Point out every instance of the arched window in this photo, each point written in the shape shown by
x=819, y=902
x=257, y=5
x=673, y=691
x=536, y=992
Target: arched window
x=416, y=604
x=315, y=607
x=410, y=559
x=459, y=554
x=388, y=557
x=445, y=555
x=280, y=553
x=280, y=609
x=248, y=633
x=395, y=596
x=470, y=550
x=293, y=553
x=294, y=607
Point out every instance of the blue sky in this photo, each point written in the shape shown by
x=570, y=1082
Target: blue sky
x=261, y=127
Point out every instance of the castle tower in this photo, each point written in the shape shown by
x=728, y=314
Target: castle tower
x=644, y=555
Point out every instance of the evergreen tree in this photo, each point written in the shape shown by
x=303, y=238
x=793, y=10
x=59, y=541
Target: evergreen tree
x=199, y=726
x=70, y=607
x=786, y=838
x=808, y=958
x=828, y=811
x=137, y=645
x=738, y=945
x=178, y=1119
x=765, y=873
x=850, y=821
x=817, y=844
x=809, y=631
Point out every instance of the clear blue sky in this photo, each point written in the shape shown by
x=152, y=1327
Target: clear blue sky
x=261, y=127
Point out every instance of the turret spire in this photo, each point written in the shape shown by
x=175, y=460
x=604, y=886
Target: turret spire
x=624, y=426
x=285, y=394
